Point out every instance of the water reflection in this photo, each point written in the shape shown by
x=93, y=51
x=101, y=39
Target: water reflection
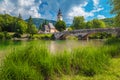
x=60, y=46
x=53, y=46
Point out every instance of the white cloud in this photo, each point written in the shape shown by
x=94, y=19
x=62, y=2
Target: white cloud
x=79, y=11
x=24, y=7
x=95, y=3
x=101, y=17
x=97, y=10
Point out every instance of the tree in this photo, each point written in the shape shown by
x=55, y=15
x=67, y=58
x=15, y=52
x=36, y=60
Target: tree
x=60, y=25
x=116, y=10
x=12, y=24
x=31, y=28
x=89, y=25
x=21, y=27
x=98, y=23
x=117, y=20
x=40, y=26
x=19, y=17
x=78, y=22
x=0, y=28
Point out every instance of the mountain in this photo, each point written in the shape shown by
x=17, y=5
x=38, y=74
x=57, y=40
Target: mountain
x=38, y=21
x=109, y=22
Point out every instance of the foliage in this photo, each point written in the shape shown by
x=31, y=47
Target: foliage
x=40, y=27
x=100, y=35
x=43, y=36
x=69, y=29
x=116, y=10
x=0, y=28
x=109, y=22
x=113, y=43
x=5, y=36
x=89, y=25
x=35, y=62
x=12, y=24
x=31, y=28
x=1, y=36
x=78, y=22
x=17, y=35
x=71, y=37
x=117, y=20
x=112, y=40
x=21, y=27
x=60, y=25
x=98, y=23
x=39, y=21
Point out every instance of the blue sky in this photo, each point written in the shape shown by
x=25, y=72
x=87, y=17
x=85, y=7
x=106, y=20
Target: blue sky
x=48, y=9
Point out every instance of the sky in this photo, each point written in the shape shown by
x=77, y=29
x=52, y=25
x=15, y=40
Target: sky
x=48, y=9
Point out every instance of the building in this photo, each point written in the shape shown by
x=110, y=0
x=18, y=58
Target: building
x=59, y=16
x=49, y=28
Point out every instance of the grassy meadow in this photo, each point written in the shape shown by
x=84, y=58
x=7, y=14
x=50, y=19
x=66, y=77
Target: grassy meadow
x=32, y=61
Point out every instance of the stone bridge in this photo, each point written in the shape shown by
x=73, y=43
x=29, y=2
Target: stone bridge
x=84, y=33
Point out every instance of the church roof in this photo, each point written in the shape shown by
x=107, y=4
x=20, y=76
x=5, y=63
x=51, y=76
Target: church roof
x=51, y=26
x=59, y=12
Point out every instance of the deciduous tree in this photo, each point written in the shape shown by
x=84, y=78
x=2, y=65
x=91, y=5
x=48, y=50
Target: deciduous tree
x=116, y=10
x=78, y=22
x=98, y=23
x=60, y=25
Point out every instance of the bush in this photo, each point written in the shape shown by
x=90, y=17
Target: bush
x=43, y=36
x=100, y=36
x=71, y=37
x=5, y=35
x=1, y=35
x=8, y=36
x=17, y=35
x=112, y=40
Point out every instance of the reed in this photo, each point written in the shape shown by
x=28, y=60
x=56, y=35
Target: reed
x=36, y=62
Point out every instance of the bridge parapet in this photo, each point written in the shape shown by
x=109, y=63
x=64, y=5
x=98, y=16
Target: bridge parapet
x=83, y=32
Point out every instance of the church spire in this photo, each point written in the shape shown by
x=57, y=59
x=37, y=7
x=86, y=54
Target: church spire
x=59, y=15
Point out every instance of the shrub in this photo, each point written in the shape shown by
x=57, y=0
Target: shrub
x=100, y=35
x=5, y=35
x=112, y=40
x=71, y=37
x=17, y=35
x=1, y=35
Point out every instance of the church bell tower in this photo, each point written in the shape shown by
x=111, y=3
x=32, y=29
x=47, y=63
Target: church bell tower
x=59, y=16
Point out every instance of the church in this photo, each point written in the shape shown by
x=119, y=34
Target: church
x=59, y=16
x=50, y=28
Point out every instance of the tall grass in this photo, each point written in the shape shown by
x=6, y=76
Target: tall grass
x=113, y=46
x=35, y=62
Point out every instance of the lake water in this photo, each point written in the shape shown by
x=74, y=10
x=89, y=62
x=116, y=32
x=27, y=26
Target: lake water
x=53, y=46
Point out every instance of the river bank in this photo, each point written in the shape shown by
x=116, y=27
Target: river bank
x=36, y=62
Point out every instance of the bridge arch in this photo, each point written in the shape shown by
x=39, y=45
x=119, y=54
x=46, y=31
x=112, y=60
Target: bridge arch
x=85, y=32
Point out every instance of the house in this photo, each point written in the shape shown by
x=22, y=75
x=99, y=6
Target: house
x=49, y=28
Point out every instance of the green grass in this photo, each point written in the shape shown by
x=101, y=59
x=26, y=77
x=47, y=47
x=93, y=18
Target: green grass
x=35, y=62
x=43, y=36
